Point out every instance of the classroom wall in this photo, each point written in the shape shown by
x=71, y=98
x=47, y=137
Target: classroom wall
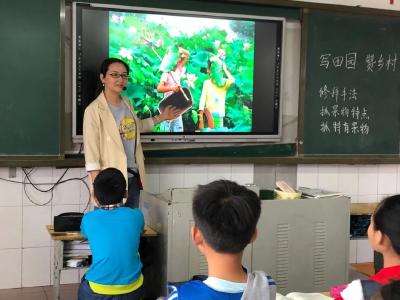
x=363, y=183
x=368, y=183
x=26, y=249
x=25, y=246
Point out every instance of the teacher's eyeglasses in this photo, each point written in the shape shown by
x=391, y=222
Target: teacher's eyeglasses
x=117, y=75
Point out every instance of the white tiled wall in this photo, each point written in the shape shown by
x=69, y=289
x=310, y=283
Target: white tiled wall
x=11, y=220
x=11, y=260
x=35, y=266
x=26, y=249
x=25, y=246
x=363, y=183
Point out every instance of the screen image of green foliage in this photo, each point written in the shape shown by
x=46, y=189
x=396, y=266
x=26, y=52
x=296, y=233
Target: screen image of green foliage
x=142, y=43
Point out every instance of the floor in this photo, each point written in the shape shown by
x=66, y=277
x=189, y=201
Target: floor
x=69, y=291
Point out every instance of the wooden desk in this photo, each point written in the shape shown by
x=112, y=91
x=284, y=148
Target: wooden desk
x=365, y=268
x=328, y=294
x=59, y=238
x=76, y=235
x=363, y=208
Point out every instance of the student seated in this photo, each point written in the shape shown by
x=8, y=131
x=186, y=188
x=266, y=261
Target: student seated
x=113, y=232
x=384, y=237
x=225, y=216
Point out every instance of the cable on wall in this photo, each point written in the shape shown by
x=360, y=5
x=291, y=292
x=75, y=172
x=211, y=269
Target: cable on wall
x=28, y=181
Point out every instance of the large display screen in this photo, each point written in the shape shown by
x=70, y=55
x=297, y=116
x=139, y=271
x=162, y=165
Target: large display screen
x=226, y=69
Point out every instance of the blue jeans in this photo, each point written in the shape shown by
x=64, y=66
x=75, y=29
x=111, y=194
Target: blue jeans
x=172, y=126
x=133, y=192
x=86, y=293
x=176, y=125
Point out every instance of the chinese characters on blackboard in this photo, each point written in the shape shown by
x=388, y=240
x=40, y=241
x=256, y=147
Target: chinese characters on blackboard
x=341, y=112
x=381, y=62
x=347, y=61
x=342, y=109
x=373, y=62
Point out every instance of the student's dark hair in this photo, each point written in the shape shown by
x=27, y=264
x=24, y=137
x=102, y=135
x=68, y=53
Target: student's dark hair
x=390, y=291
x=104, y=68
x=386, y=219
x=227, y=214
x=109, y=186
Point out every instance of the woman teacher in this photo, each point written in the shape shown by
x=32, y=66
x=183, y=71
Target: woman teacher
x=111, y=130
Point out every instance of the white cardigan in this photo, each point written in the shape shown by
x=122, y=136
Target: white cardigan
x=102, y=141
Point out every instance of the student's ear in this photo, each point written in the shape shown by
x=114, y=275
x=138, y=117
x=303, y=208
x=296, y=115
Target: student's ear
x=95, y=201
x=378, y=240
x=254, y=237
x=197, y=238
x=195, y=235
x=101, y=78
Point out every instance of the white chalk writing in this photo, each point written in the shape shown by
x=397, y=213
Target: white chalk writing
x=374, y=62
x=342, y=112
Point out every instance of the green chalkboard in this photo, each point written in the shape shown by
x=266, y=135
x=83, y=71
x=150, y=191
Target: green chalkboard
x=32, y=68
x=352, y=84
x=30, y=77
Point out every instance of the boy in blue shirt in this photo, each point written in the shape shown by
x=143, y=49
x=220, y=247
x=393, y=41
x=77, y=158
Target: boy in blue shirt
x=225, y=216
x=113, y=232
